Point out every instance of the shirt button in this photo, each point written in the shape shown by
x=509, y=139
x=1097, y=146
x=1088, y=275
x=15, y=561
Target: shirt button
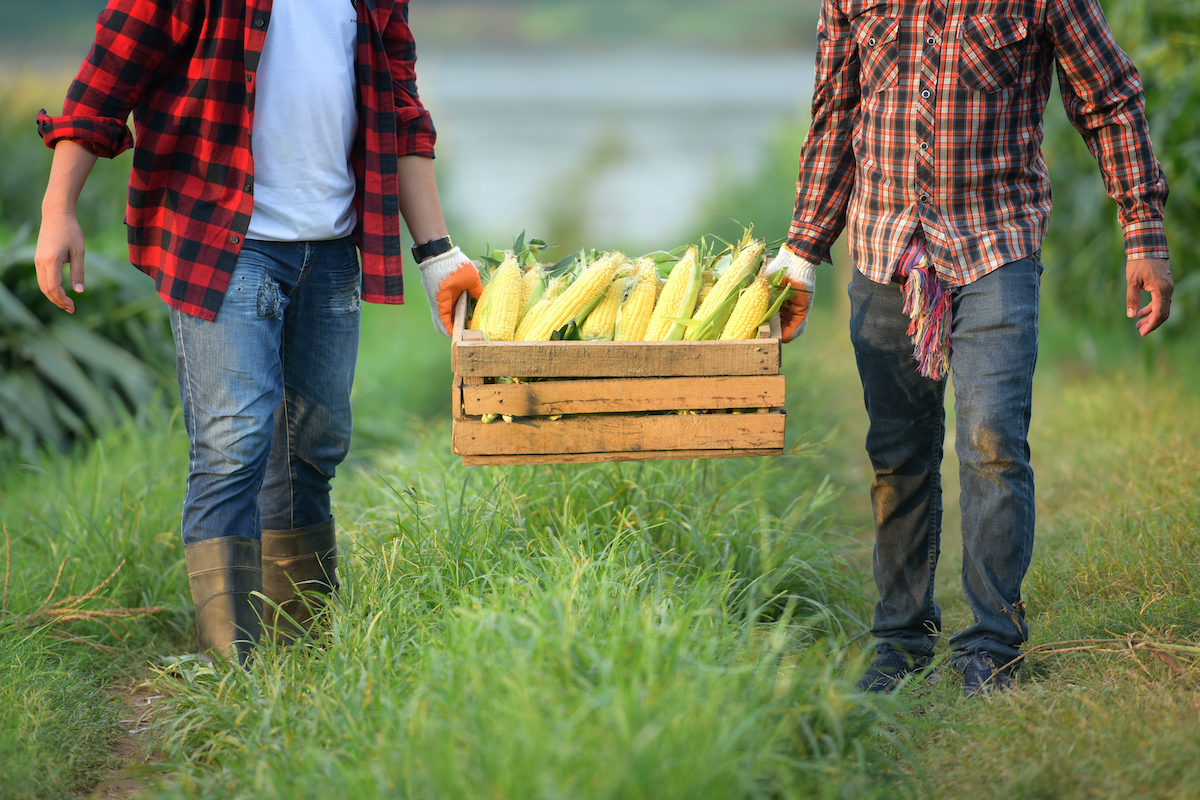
x=930, y=40
x=235, y=238
x=249, y=77
x=259, y=22
x=871, y=41
x=924, y=146
x=925, y=94
x=924, y=198
x=249, y=186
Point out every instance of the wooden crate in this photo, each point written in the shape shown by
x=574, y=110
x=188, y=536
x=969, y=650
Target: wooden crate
x=626, y=382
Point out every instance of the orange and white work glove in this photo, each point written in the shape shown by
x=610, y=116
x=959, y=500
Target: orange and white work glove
x=802, y=275
x=445, y=277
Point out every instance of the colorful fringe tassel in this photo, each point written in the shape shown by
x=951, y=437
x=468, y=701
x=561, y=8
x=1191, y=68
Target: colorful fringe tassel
x=928, y=304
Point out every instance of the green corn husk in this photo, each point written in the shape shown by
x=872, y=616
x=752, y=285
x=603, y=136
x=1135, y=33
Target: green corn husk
x=785, y=292
x=688, y=305
x=746, y=260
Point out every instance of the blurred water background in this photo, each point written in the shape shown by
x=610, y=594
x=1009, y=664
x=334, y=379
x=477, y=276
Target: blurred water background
x=613, y=124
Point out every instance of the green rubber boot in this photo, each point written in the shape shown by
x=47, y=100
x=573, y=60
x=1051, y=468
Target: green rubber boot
x=299, y=573
x=223, y=574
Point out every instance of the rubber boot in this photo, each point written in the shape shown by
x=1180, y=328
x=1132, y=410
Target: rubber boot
x=299, y=572
x=223, y=574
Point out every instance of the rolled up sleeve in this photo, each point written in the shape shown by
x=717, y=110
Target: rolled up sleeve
x=415, y=133
x=136, y=45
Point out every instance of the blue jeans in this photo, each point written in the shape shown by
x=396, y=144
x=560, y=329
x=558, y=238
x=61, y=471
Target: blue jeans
x=266, y=389
x=994, y=345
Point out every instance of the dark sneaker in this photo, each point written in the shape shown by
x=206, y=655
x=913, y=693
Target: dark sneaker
x=981, y=674
x=891, y=665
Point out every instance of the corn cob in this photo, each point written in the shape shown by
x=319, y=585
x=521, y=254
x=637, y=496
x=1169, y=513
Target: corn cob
x=554, y=288
x=711, y=317
x=601, y=322
x=677, y=299
x=504, y=305
x=533, y=283
x=634, y=316
x=579, y=297
x=748, y=313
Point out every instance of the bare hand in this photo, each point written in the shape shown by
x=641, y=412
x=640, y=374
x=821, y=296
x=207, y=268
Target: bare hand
x=1154, y=276
x=59, y=241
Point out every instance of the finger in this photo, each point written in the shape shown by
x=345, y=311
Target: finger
x=1154, y=314
x=446, y=302
x=60, y=299
x=50, y=282
x=474, y=284
x=77, y=269
x=1133, y=295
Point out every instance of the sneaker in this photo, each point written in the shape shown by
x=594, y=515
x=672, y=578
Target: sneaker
x=981, y=675
x=891, y=665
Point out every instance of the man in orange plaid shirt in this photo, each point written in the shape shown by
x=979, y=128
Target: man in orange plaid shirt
x=926, y=144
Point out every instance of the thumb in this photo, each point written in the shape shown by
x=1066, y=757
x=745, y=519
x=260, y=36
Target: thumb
x=76, y=254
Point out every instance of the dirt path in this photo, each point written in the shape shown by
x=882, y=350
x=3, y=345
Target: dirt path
x=133, y=748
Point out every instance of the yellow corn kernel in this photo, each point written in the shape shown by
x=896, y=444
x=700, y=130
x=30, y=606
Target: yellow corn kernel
x=639, y=306
x=671, y=297
x=581, y=294
x=534, y=274
x=554, y=288
x=504, y=304
x=754, y=301
x=602, y=320
x=737, y=271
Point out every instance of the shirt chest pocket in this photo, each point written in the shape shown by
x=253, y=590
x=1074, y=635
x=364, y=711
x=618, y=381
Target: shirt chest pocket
x=878, y=40
x=990, y=52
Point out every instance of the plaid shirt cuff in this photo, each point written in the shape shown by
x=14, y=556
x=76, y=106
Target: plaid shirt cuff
x=807, y=245
x=417, y=136
x=1146, y=240
x=105, y=136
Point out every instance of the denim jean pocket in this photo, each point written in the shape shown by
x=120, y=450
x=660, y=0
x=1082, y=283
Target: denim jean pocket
x=342, y=277
x=271, y=299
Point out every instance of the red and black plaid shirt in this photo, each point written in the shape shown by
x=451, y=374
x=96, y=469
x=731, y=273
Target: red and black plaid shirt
x=930, y=112
x=186, y=70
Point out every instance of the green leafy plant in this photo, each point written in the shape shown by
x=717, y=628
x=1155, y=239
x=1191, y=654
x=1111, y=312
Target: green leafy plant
x=65, y=376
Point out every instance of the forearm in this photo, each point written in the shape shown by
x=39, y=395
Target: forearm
x=69, y=171
x=419, y=202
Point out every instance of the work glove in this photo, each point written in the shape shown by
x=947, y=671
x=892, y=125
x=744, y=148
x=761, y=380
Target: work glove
x=445, y=277
x=802, y=276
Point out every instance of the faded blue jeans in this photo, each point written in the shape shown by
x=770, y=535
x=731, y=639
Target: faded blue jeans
x=994, y=344
x=266, y=389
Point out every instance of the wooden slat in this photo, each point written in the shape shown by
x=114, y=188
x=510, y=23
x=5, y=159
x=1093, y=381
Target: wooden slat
x=456, y=399
x=620, y=434
x=616, y=359
x=592, y=458
x=547, y=398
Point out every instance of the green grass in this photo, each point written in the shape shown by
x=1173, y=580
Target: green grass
x=1118, y=462
x=661, y=629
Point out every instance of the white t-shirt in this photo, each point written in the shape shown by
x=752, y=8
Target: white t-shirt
x=305, y=121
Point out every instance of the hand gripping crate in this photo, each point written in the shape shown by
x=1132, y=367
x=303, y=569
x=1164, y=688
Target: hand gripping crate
x=615, y=401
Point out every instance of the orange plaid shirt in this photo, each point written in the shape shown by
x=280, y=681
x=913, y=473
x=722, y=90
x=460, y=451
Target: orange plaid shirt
x=930, y=113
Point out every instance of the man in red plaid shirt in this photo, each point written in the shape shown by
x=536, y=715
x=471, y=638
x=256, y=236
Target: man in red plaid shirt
x=926, y=143
x=255, y=248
